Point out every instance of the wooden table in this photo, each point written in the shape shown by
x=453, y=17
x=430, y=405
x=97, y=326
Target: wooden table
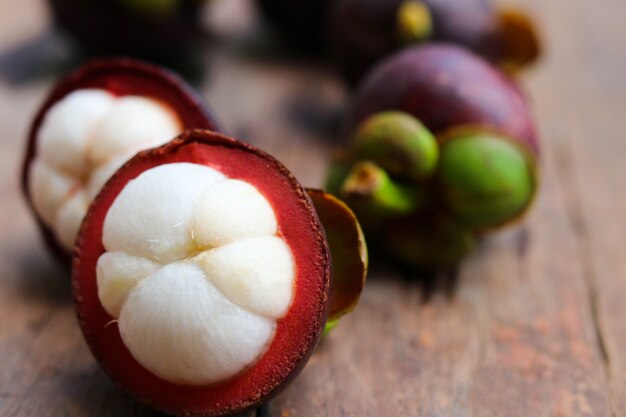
x=533, y=324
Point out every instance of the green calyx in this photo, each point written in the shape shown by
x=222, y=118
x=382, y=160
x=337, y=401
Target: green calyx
x=398, y=143
x=426, y=199
x=330, y=325
x=374, y=194
x=337, y=173
x=414, y=21
x=348, y=251
x=485, y=179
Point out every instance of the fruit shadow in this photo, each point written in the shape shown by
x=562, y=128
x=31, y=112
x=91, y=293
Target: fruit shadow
x=41, y=279
x=430, y=281
x=316, y=103
x=88, y=389
x=45, y=56
x=311, y=113
x=94, y=394
x=50, y=55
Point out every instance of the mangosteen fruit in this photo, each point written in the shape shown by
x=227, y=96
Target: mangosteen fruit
x=158, y=30
x=202, y=274
x=362, y=32
x=445, y=86
x=478, y=179
x=302, y=23
x=92, y=122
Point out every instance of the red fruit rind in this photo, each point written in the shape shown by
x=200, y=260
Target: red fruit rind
x=120, y=77
x=297, y=333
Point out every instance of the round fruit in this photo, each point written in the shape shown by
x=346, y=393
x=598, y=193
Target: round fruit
x=478, y=179
x=398, y=143
x=159, y=30
x=445, y=86
x=302, y=22
x=92, y=122
x=484, y=179
x=202, y=276
x=365, y=31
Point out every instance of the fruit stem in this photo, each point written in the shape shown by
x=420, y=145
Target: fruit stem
x=520, y=43
x=414, y=21
x=330, y=325
x=374, y=193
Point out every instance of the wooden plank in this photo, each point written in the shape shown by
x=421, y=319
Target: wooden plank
x=513, y=334
x=518, y=335
x=589, y=137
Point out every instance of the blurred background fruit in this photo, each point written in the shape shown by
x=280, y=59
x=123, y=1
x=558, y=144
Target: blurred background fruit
x=162, y=30
x=365, y=31
x=442, y=149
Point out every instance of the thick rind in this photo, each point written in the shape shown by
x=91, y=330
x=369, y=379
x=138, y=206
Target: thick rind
x=121, y=77
x=297, y=332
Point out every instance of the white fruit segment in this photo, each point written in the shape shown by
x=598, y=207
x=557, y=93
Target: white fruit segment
x=82, y=141
x=118, y=273
x=234, y=270
x=151, y=217
x=194, y=272
x=232, y=210
x=182, y=329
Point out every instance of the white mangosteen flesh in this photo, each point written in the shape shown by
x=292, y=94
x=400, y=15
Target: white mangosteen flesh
x=84, y=138
x=195, y=272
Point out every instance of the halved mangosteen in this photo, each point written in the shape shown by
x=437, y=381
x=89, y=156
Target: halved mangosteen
x=202, y=274
x=93, y=121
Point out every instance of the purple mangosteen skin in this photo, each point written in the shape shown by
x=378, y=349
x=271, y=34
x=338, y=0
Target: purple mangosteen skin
x=106, y=26
x=301, y=22
x=365, y=31
x=446, y=86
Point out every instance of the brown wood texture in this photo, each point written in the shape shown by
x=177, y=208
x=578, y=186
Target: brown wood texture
x=531, y=325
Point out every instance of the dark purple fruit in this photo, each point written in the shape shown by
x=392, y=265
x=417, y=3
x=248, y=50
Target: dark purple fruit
x=303, y=22
x=365, y=31
x=159, y=30
x=445, y=86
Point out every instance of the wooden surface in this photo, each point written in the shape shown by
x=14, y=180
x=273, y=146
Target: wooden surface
x=533, y=324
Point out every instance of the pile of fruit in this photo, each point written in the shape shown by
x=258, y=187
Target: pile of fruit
x=204, y=273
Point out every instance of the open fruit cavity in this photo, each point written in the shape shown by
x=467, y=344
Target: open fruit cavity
x=195, y=272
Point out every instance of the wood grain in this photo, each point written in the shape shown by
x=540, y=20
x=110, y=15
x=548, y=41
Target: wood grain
x=531, y=325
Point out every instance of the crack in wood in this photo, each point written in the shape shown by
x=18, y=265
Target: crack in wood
x=574, y=215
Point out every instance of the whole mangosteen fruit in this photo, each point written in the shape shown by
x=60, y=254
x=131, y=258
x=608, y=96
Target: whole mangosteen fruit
x=362, y=32
x=158, y=30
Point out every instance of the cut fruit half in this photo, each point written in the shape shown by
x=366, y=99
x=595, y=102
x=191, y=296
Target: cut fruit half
x=92, y=122
x=202, y=276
